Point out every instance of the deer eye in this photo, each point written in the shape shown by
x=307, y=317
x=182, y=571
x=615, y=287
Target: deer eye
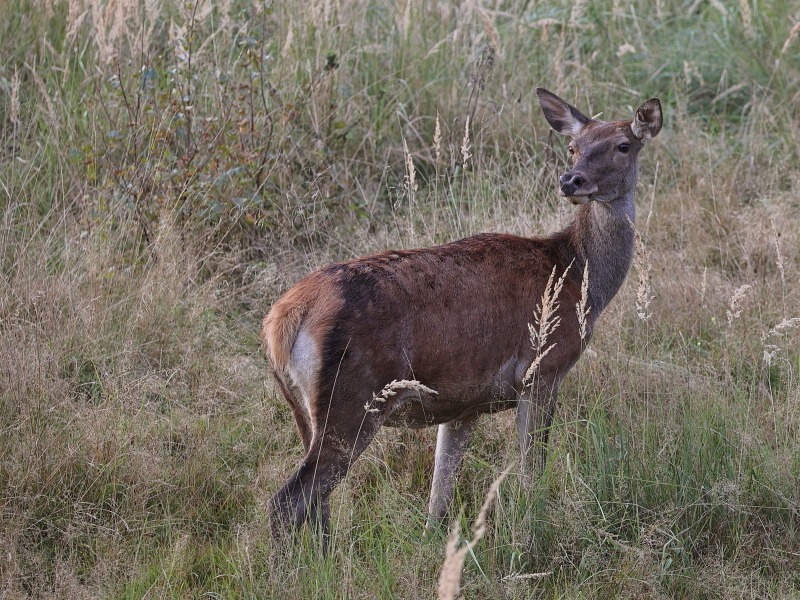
x=624, y=148
x=571, y=150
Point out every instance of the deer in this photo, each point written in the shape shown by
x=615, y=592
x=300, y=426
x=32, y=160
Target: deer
x=440, y=335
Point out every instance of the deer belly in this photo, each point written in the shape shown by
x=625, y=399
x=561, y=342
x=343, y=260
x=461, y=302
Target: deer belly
x=454, y=400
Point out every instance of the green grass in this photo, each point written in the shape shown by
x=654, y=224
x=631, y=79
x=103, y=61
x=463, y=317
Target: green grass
x=167, y=172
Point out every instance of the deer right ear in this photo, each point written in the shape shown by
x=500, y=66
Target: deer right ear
x=647, y=121
x=563, y=117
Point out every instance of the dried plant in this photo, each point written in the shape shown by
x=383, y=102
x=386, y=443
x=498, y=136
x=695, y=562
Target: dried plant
x=524, y=576
x=780, y=330
x=465, y=146
x=411, y=179
x=643, y=266
x=719, y=6
x=287, y=45
x=577, y=13
x=779, y=259
x=735, y=309
x=75, y=17
x=582, y=307
x=747, y=19
x=437, y=140
x=450, y=577
x=390, y=389
x=703, y=287
x=43, y=91
x=13, y=115
x=792, y=34
x=546, y=321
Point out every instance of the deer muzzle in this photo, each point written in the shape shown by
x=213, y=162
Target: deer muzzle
x=576, y=187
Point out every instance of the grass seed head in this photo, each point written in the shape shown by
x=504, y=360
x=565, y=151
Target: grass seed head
x=450, y=576
x=546, y=322
x=465, y=146
x=735, y=310
x=582, y=307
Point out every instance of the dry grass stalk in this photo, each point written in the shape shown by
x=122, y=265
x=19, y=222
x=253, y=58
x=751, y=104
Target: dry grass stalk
x=287, y=46
x=450, y=577
x=643, y=266
x=692, y=72
x=13, y=115
x=703, y=287
x=735, y=307
x=527, y=576
x=152, y=8
x=465, y=145
x=544, y=23
x=582, y=307
x=557, y=62
x=119, y=23
x=315, y=11
x=781, y=329
x=719, y=6
x=437, y=139
x=488, y=27
x=51, y=110
x=626, y=49
x=577, y=13
x=76, y=13
x=546, y=322
x=410, y=173
x=104, y=49
x=779, y=260
x=390, y=389
x=747, y=19
x=792, y=34
x=407, y=18
x=402, y=17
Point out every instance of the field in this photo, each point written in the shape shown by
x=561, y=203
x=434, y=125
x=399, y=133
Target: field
x=168, y=169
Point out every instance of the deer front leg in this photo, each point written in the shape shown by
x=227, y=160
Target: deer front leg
x=451, y=443
x=534, y=414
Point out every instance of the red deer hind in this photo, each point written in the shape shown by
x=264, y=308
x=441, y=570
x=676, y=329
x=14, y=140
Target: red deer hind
x=455, y=319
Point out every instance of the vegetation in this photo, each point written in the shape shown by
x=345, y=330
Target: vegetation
x=168, y=169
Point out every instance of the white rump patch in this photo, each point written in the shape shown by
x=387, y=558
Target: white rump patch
x=304, y=364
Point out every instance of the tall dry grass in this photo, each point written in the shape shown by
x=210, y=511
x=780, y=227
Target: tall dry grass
x=167, y=169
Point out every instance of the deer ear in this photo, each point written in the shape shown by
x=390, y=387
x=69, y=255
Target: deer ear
x=647, y=121
x=563, y=117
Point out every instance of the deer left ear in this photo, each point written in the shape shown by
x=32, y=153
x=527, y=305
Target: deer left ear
x=647, y=121
x=563, y=117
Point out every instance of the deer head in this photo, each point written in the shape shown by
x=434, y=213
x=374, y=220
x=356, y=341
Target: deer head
x=604, y=155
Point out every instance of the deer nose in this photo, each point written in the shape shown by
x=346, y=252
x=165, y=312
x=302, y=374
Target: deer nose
x=570, y=182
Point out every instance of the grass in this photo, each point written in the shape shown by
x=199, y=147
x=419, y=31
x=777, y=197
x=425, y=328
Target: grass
x=168, y=169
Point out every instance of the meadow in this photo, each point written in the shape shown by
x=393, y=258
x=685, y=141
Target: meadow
x=168, y=169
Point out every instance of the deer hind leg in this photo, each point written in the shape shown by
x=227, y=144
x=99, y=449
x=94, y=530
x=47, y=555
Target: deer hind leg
x=451, y=443
x=302, y=419
x=534, y=415
x=304, y=497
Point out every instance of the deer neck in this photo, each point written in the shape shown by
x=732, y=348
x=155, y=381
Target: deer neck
x=603, y=236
